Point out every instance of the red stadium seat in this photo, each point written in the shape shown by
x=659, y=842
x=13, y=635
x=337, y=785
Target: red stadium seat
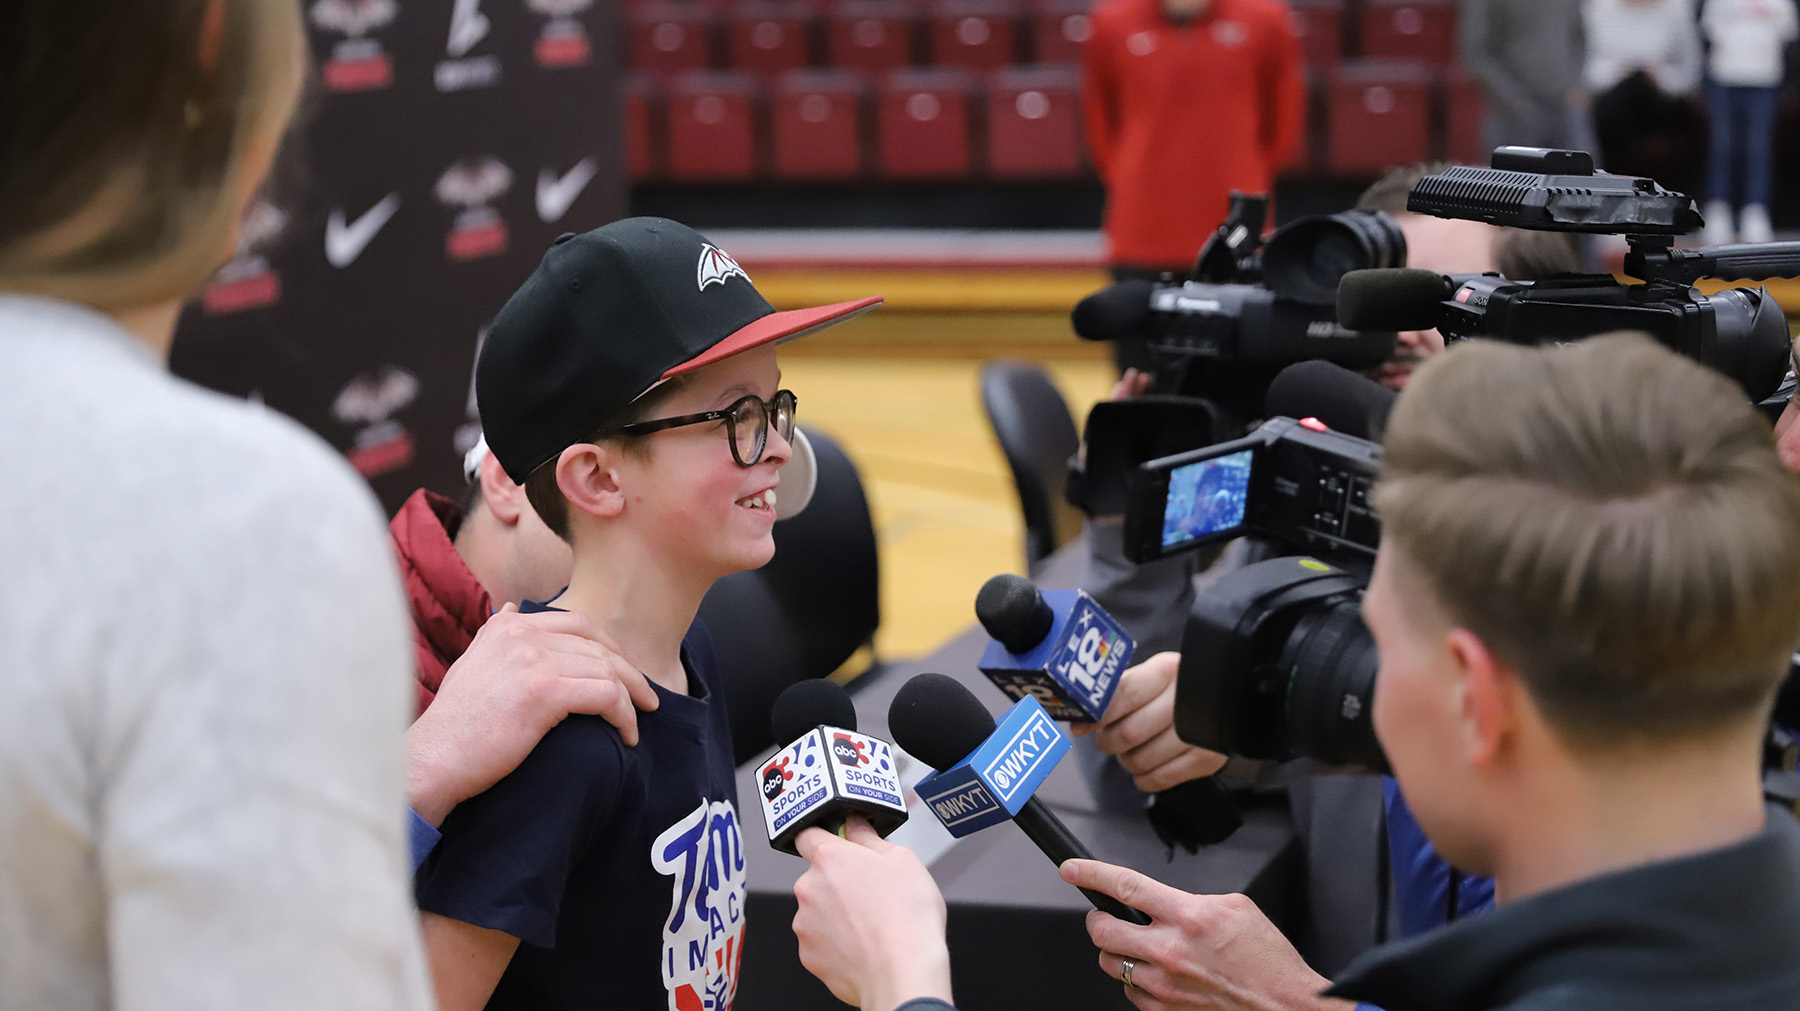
x=870, y=35
x=1321, y=25
x=1034, y=127
x=672, y=38
x=1465, y=109
x=819, y=124
x=1059, y=27
x=977, y=34
x=643, y=112
x=712, y=126
x=1409, y=30
x=923, y=123
x=770, y=37
x=1379, y=116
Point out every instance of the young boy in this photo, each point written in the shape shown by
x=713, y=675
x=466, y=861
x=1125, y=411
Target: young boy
x=631, y=386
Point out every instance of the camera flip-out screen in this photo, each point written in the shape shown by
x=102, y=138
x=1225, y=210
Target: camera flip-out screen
x=1207, y=498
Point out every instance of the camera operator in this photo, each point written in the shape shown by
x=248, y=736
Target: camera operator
x=1456, y=246
x=1584, y=602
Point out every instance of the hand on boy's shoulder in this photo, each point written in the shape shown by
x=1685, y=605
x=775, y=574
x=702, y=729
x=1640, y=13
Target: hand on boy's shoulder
x=523, y=674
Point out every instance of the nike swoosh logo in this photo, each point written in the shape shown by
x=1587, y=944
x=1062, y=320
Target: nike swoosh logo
x=555, y=196
x=344, y=243
x=468, y=26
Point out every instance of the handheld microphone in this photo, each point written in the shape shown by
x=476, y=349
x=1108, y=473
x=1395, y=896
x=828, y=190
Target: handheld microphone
x=1346, y=402
x=1114, y=311
x=1061, y=648
x=1397, y=298
x=1057, y=646
x=829, y=771
x=988, y=773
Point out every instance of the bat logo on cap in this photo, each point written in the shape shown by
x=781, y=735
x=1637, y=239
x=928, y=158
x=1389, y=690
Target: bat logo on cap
x=717, y=266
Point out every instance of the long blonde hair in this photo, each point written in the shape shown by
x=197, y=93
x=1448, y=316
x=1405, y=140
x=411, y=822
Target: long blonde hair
x=131, y=134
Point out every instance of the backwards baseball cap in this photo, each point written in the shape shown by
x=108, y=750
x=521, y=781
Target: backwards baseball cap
x=607, y=316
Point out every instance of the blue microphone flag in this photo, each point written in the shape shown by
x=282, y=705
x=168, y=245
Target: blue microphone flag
x=1075, y=669
x=993, y=783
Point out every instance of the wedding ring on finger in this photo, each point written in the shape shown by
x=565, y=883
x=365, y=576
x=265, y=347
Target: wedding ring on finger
x=1126, y=965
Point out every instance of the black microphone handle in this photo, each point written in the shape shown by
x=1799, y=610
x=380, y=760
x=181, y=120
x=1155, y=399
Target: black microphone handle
x=1043, y=827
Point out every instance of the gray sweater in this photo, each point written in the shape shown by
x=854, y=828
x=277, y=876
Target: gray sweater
x=203, y=690
x=1525, y=53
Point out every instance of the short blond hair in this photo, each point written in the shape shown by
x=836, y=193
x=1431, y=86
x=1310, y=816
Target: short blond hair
x=128, y=132
x=1611, y=519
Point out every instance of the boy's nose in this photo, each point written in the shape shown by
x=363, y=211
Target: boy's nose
x=777, y=448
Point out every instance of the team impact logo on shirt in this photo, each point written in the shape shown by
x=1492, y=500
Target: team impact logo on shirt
x=703, y=938
x=357, y=62
x=717, y=266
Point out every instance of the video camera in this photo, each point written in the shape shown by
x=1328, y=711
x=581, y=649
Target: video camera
x=1276, y=660
x=1741, y=332
x=1249, y=308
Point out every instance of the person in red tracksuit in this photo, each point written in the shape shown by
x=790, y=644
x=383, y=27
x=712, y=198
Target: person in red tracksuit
x=1185, y=101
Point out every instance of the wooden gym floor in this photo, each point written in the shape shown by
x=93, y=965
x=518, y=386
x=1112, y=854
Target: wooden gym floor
x=899, y=392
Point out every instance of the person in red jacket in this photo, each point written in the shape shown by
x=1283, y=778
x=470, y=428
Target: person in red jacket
x=1185, y=101
x=461, y=562
x=493, y=681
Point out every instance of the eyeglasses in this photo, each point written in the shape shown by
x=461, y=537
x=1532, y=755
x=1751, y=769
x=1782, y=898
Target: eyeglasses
x=746, y=424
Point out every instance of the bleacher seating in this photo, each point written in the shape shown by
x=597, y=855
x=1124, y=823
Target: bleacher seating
x=977, y=34
x=989, y=89
x=1409, y=30
x=643, y=112
x=922, y=123
x=1321, y=26
x=871, y=35
x=769, y=37
x=1379, y=115
x=819, y=125
x=672, y=38
x=1464, y=109
x=1034, y=123
x=1058, y=28
x=713, y=126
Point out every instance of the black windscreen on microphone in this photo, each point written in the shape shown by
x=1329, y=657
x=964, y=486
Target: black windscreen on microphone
x=1391, y=299
x=808, y=704
x=1346, y=402
x=940, y=722
x=1012, y=610
x=937, y=720
x=1117, y=310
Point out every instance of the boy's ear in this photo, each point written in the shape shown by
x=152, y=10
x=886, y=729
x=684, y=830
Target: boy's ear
x=588, y=476
x=502, y=497
x=1490, y=693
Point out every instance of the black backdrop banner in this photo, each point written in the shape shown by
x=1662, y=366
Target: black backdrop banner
x=443, y=144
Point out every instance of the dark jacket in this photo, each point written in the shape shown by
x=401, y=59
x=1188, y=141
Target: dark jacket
x=448, y=604
x=1717, y=931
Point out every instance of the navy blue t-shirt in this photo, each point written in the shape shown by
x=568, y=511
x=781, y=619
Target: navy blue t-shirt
x=620, y=870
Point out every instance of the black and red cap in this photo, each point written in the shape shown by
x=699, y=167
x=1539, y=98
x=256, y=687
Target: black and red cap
x=608, y=315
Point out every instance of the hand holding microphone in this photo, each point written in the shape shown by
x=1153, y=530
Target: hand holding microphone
x=827, y=771
x=870, y=919
x=988, y=773
x=1062, y=648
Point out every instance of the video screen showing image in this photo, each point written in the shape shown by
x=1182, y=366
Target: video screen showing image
x=1206, y=498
